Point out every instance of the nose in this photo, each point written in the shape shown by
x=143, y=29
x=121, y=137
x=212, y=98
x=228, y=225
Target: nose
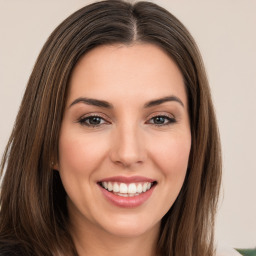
x=127, y=147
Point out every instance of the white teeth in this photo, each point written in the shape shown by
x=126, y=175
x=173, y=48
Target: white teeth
x=144, y=187
x=123, y=189
x=139, y=188
x=105, y=185
x=110, y=186
x=132, y=188
x=124, y=195
x=116, y=188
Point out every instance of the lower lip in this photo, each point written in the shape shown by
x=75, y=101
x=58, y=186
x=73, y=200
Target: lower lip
x=127, y=202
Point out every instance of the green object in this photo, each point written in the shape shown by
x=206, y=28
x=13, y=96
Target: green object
x=247, y=252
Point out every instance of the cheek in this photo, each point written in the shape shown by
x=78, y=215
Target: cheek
x=171, y=156
x=79, y=157
x=79, y=153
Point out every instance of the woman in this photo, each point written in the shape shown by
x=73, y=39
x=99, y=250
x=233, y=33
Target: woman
x=115, y=150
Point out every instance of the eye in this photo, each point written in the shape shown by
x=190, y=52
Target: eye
x=92, y=121
x=161, y=120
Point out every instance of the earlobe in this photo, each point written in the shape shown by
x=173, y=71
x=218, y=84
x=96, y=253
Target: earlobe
x=55, y=166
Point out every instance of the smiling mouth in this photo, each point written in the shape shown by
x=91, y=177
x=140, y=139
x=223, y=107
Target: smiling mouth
x=127, y=189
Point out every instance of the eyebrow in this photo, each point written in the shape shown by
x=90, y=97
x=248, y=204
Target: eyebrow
x=163, y=100
x=92, y=102
x=105, y=104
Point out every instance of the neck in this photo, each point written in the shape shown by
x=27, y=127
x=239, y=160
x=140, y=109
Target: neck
x=91, y=240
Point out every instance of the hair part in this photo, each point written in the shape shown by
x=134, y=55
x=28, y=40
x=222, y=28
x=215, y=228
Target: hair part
x=33, y=214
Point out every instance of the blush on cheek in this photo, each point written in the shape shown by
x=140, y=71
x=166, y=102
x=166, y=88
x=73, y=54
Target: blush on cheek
x=81, y=153
x=173, y=159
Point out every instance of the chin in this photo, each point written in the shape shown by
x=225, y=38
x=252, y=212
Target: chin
x=131, y=227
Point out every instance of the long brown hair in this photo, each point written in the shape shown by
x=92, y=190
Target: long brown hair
x=33, y=214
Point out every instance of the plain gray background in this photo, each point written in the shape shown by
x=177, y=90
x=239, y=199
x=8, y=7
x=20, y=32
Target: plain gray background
x=225, y=31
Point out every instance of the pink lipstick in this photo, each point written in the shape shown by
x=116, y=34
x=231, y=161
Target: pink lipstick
x=127, y=192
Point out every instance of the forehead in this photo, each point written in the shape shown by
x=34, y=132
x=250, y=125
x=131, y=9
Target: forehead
x=124, y=71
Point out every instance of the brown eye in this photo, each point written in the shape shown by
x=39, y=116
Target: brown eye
x=161, y=120
x=92, y=121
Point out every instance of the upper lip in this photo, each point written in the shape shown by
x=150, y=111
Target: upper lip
x=125, y=179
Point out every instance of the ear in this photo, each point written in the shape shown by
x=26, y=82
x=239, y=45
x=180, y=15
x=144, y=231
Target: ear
x=55, y=166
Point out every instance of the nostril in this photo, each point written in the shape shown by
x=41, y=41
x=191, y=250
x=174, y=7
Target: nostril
x=127, y=150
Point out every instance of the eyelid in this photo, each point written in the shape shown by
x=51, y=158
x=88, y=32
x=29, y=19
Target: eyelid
x=93, y=114
x=171, y=118
x=155, y=114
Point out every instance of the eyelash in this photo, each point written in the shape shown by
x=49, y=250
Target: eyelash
x=167, y=120
x=83, y=120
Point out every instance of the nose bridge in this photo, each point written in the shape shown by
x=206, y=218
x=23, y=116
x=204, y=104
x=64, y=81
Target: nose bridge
x=128, y=146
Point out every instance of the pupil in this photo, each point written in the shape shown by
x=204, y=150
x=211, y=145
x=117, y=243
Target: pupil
x=94, y=120
x=159, y=120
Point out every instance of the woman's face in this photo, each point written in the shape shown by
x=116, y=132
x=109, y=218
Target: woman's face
x=125, y=139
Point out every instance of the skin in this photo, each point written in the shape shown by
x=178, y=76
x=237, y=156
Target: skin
x=127, y=141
